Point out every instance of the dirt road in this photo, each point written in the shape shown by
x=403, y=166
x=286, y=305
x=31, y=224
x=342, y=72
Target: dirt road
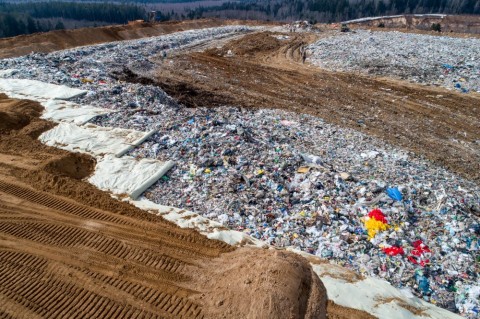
x=261, y=71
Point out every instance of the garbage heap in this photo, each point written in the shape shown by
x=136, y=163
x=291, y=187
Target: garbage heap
x=289, y=179
x=444, y=61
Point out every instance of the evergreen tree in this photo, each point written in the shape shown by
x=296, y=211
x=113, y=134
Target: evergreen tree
x=39, y=27
x=31, y=27
x=59, y=25
x=11, y=26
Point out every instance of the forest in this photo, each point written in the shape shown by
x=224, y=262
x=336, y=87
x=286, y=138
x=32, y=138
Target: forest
x=27, y=17
x=332, y=10
x=31, y=17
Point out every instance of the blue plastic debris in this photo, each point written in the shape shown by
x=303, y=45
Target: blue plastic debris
x=394, y=194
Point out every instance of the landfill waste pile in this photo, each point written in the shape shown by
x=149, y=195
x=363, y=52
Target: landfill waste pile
x=450, y=62
x=290, y=179
x=89, y=66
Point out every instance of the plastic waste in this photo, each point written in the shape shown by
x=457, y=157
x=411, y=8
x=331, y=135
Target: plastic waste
x=394, y=194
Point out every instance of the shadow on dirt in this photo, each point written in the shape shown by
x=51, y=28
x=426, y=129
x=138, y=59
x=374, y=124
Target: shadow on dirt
x=185, y=93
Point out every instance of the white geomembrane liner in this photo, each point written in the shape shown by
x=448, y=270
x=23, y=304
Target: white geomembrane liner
x=187, y=219
x=123, y=175
x=37, y=90
x=118, y=175
x=90, y=138
x=52, y=97
x=379, y=298
x=58, y=111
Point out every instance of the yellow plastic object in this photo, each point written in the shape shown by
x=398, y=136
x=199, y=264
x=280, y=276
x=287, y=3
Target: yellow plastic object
x=303, y=169
x=374, y=226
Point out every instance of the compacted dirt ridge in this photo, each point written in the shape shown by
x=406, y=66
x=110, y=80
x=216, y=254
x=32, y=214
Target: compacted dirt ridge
x=68, y=250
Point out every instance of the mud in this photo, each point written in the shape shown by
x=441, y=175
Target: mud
x=273, y=76
x=68, y=250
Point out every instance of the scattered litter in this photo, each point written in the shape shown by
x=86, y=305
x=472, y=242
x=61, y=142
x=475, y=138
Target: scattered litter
x=425, y=59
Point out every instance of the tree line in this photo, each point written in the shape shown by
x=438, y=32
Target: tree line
x=332, y=10
x=31, y=17
x=25, y=18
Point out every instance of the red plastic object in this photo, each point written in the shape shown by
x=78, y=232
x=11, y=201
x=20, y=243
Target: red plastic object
x=420, y=254
x=393, y=251
x=378, y=215
x=420, y=248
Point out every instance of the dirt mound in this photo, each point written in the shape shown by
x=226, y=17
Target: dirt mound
x=15, y=114
x=35, y=128
x=259, y=283
x=72, y=165
x=20, y=119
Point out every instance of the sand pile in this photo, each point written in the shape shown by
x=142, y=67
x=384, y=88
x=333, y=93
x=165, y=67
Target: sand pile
x=260, y=283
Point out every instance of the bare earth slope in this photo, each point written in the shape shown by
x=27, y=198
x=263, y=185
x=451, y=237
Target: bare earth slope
x=65, y=39
x=68, y=250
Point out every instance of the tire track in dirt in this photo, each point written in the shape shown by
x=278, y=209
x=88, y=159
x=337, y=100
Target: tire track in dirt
x=28, y=277
x=175, y=239
x=50, y=298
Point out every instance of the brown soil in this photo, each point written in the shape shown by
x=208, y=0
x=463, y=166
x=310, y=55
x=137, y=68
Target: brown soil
x=288, y=287
x=416, y=311
x=441, y=125
x=69, y=250
x=17, y=115
x=338, y=312
x=65, y=39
